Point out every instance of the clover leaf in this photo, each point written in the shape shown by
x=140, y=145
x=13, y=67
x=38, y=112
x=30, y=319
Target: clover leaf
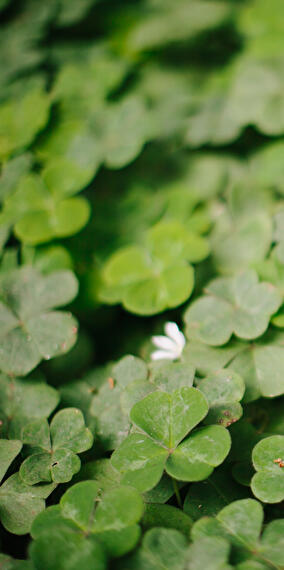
x=53, y=450
x=24, y=400
x=19, y=123
x=108, y=406
x=239, y=305
x=238, y=243
x=267, y=456
x=166, y=516
x=208, y=552
x=241, y=523
x=223, y=391
x=161, y=548
x=162, y=24
x=9, y=449
x=230, y=101
x=12, y=172
x=208, y=497
x=20, y=503
x=41, y=207
x=260, y=364
x=30, y=329
x=148, y=280
x=165, y=420
x=95, y=526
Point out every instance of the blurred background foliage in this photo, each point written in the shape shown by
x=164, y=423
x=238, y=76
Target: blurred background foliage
x=141, y=147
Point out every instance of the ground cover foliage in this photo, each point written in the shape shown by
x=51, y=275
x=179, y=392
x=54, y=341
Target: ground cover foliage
x=141, y=285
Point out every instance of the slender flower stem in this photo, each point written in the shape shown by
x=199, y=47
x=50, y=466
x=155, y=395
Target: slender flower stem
x=177, y=493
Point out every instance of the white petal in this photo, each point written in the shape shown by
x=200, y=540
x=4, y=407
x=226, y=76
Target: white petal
x=164, y=342
x=175, y=334
x=163, y=354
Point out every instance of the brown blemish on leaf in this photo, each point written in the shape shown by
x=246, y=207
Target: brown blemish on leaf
x=111, y=383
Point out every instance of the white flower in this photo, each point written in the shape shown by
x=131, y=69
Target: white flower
x=171, y=346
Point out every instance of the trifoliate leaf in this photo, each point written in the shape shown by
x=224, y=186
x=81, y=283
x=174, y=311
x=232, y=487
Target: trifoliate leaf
x=238, y=305
x=53, y=451
x=108, y=521
x=165, y=420
x=30, y=329
x=40, y=208
x=149, y=280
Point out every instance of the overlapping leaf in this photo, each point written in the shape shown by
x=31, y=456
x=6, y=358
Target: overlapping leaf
x=267, y=456
x=52, y=451
x=238, y=305
x=149, y=280
x=96, y=527
x=164, y=420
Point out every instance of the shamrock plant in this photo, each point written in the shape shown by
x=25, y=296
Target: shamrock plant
x=141, y=188
x=237, y=305
x=52, y=451
x=26, y=302
x=240, y=525
x=149, y=279
x=164, y=420
x=95, y=527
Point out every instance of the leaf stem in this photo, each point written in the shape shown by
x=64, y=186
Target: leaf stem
x=177, y=493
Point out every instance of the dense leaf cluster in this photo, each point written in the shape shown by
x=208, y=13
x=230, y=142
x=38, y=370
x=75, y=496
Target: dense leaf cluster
x=141, y=184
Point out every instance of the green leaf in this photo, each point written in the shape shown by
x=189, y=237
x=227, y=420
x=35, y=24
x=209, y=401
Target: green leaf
x=238, y=305
x=195, y=458
x=161, y=548
x=149, y=280
x=241, y=523
x=168, y=241
x=86, y=553
x=30, y=330
x=19, y=122
x=110, y=513
x=239, y=244
x=20, y=503
x=9, y=563
x=9, y=449
x=140, y=461
x=41, y=208
x=208, y=497
x=260, y=365
x=223, y=391
x=24, y=400
x=12, y=172
x=210, y=553
x=53, y=451
x=126, y=130
x=268, y=483
x=109, y=520
x=168, y=418
x=156, y=27
x=170, y=376
x=166, y=516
